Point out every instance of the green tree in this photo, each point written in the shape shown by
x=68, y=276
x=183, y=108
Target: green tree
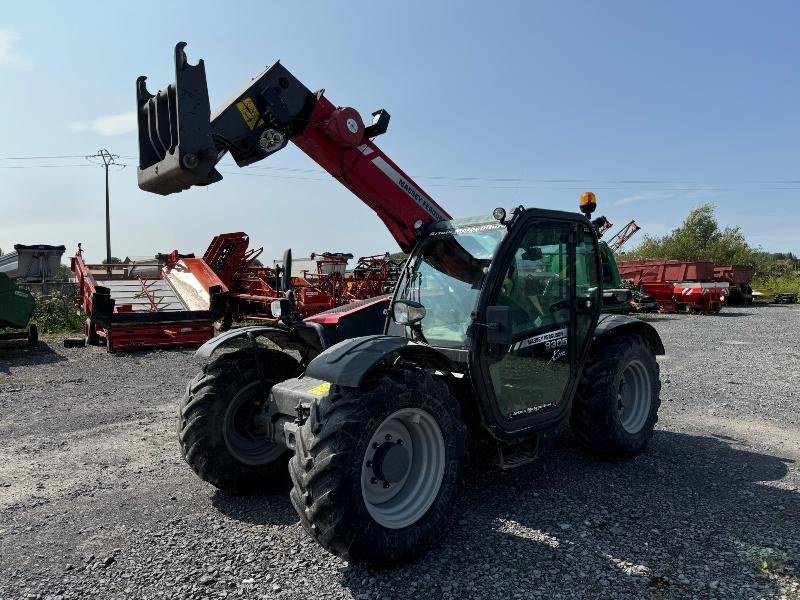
x=700, y=237
x=112, y=261
x=63, y=273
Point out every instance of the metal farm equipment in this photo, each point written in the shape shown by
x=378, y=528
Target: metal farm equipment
x=373, y=276
x=173, y=306
x=738, y=278
x=253, y=288
x=677, y=285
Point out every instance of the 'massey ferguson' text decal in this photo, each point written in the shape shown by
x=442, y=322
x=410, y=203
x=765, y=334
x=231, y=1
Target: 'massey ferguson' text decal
x=424, y=202
x=466, y=230
x=542, y=338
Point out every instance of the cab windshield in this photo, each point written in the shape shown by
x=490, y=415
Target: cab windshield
x=447, y=274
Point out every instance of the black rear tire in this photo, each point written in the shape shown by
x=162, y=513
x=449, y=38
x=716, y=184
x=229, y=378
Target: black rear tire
x=217, y=420
x=597, y=413
x=326, y=468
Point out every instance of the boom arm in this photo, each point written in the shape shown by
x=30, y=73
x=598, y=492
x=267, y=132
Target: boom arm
x=623, y=235
x=180, y=141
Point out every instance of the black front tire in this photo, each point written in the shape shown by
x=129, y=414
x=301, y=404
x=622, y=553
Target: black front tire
x=597, y=419
x=326, y=469
x=215, y=421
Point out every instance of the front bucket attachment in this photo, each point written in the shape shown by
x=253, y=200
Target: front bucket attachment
x=176, y=150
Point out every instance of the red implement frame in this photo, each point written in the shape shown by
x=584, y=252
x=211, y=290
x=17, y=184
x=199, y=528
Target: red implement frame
x=184, y=320
x=252, y=289
x=373, y=276
x=623, y=235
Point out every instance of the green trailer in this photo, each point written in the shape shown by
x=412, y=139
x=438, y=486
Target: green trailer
x=16, y=308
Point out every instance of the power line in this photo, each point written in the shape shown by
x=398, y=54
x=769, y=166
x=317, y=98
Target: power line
x=588, y=182
x=463, y=182
x=43, y=166
x=42, y=157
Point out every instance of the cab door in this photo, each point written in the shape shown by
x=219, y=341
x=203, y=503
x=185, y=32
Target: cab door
x=547, y=279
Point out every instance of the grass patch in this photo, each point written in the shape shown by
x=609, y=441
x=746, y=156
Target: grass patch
x=57, y=313
x=786, y=283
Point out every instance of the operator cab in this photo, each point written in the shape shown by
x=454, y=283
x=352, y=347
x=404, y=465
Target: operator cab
x=510, y=302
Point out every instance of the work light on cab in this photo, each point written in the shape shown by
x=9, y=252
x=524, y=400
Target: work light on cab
x=588, y=203
x=499, y=213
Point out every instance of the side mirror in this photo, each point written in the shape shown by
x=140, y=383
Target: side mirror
x=286, y=276
x=406, y=312
x=498, y=323
x=281, y=309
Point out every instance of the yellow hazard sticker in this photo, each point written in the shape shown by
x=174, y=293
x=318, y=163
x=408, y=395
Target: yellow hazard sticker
x=321, y=389
x=249, y=112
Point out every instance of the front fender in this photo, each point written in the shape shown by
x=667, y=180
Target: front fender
x=348, y=363
x=284, y=338
x=612, y=325
x=229, y=337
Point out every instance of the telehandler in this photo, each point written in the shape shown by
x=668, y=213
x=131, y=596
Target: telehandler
x=493, y=329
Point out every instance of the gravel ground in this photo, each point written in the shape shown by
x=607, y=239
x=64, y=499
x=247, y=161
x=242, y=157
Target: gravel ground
x=95, y=500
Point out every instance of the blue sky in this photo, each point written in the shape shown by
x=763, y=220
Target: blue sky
x=657, y=107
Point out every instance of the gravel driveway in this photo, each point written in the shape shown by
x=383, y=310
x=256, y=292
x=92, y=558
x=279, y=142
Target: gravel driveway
x=95, y=500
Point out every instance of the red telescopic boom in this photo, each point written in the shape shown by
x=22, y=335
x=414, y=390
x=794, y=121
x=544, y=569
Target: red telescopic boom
x=180, y=142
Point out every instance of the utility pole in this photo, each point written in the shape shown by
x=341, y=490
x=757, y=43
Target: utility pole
x=107, y=159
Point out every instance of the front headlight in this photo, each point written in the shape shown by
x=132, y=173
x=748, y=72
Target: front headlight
x=275, y=308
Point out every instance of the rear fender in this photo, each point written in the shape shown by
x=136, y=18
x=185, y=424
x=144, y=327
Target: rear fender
x=348, y=363
x=611, y=326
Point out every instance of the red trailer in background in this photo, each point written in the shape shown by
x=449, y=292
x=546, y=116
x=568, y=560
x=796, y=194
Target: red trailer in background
x=136, y=305
x=677, y=285
x=738, y=278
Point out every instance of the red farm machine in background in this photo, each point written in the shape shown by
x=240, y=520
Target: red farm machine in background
x=677, y=285
x=738, y=278
x=253, y=287
x=372, y=276
x=138, y=305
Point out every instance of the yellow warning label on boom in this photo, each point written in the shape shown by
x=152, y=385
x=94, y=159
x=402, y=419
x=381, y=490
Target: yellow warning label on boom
x=249, y=112
x=321, y=389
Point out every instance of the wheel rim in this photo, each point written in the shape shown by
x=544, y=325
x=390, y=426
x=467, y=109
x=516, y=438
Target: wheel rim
x=634, y=397
x=246, y=431
x=403, y=468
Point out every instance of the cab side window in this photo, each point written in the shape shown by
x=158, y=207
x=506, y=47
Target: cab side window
x=536, y=284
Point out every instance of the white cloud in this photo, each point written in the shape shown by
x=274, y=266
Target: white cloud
x=643, y=196
x=10, y=57
x=108, y=125
x=702, y=192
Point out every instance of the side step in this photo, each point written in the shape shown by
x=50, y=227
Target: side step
x=516, y=455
